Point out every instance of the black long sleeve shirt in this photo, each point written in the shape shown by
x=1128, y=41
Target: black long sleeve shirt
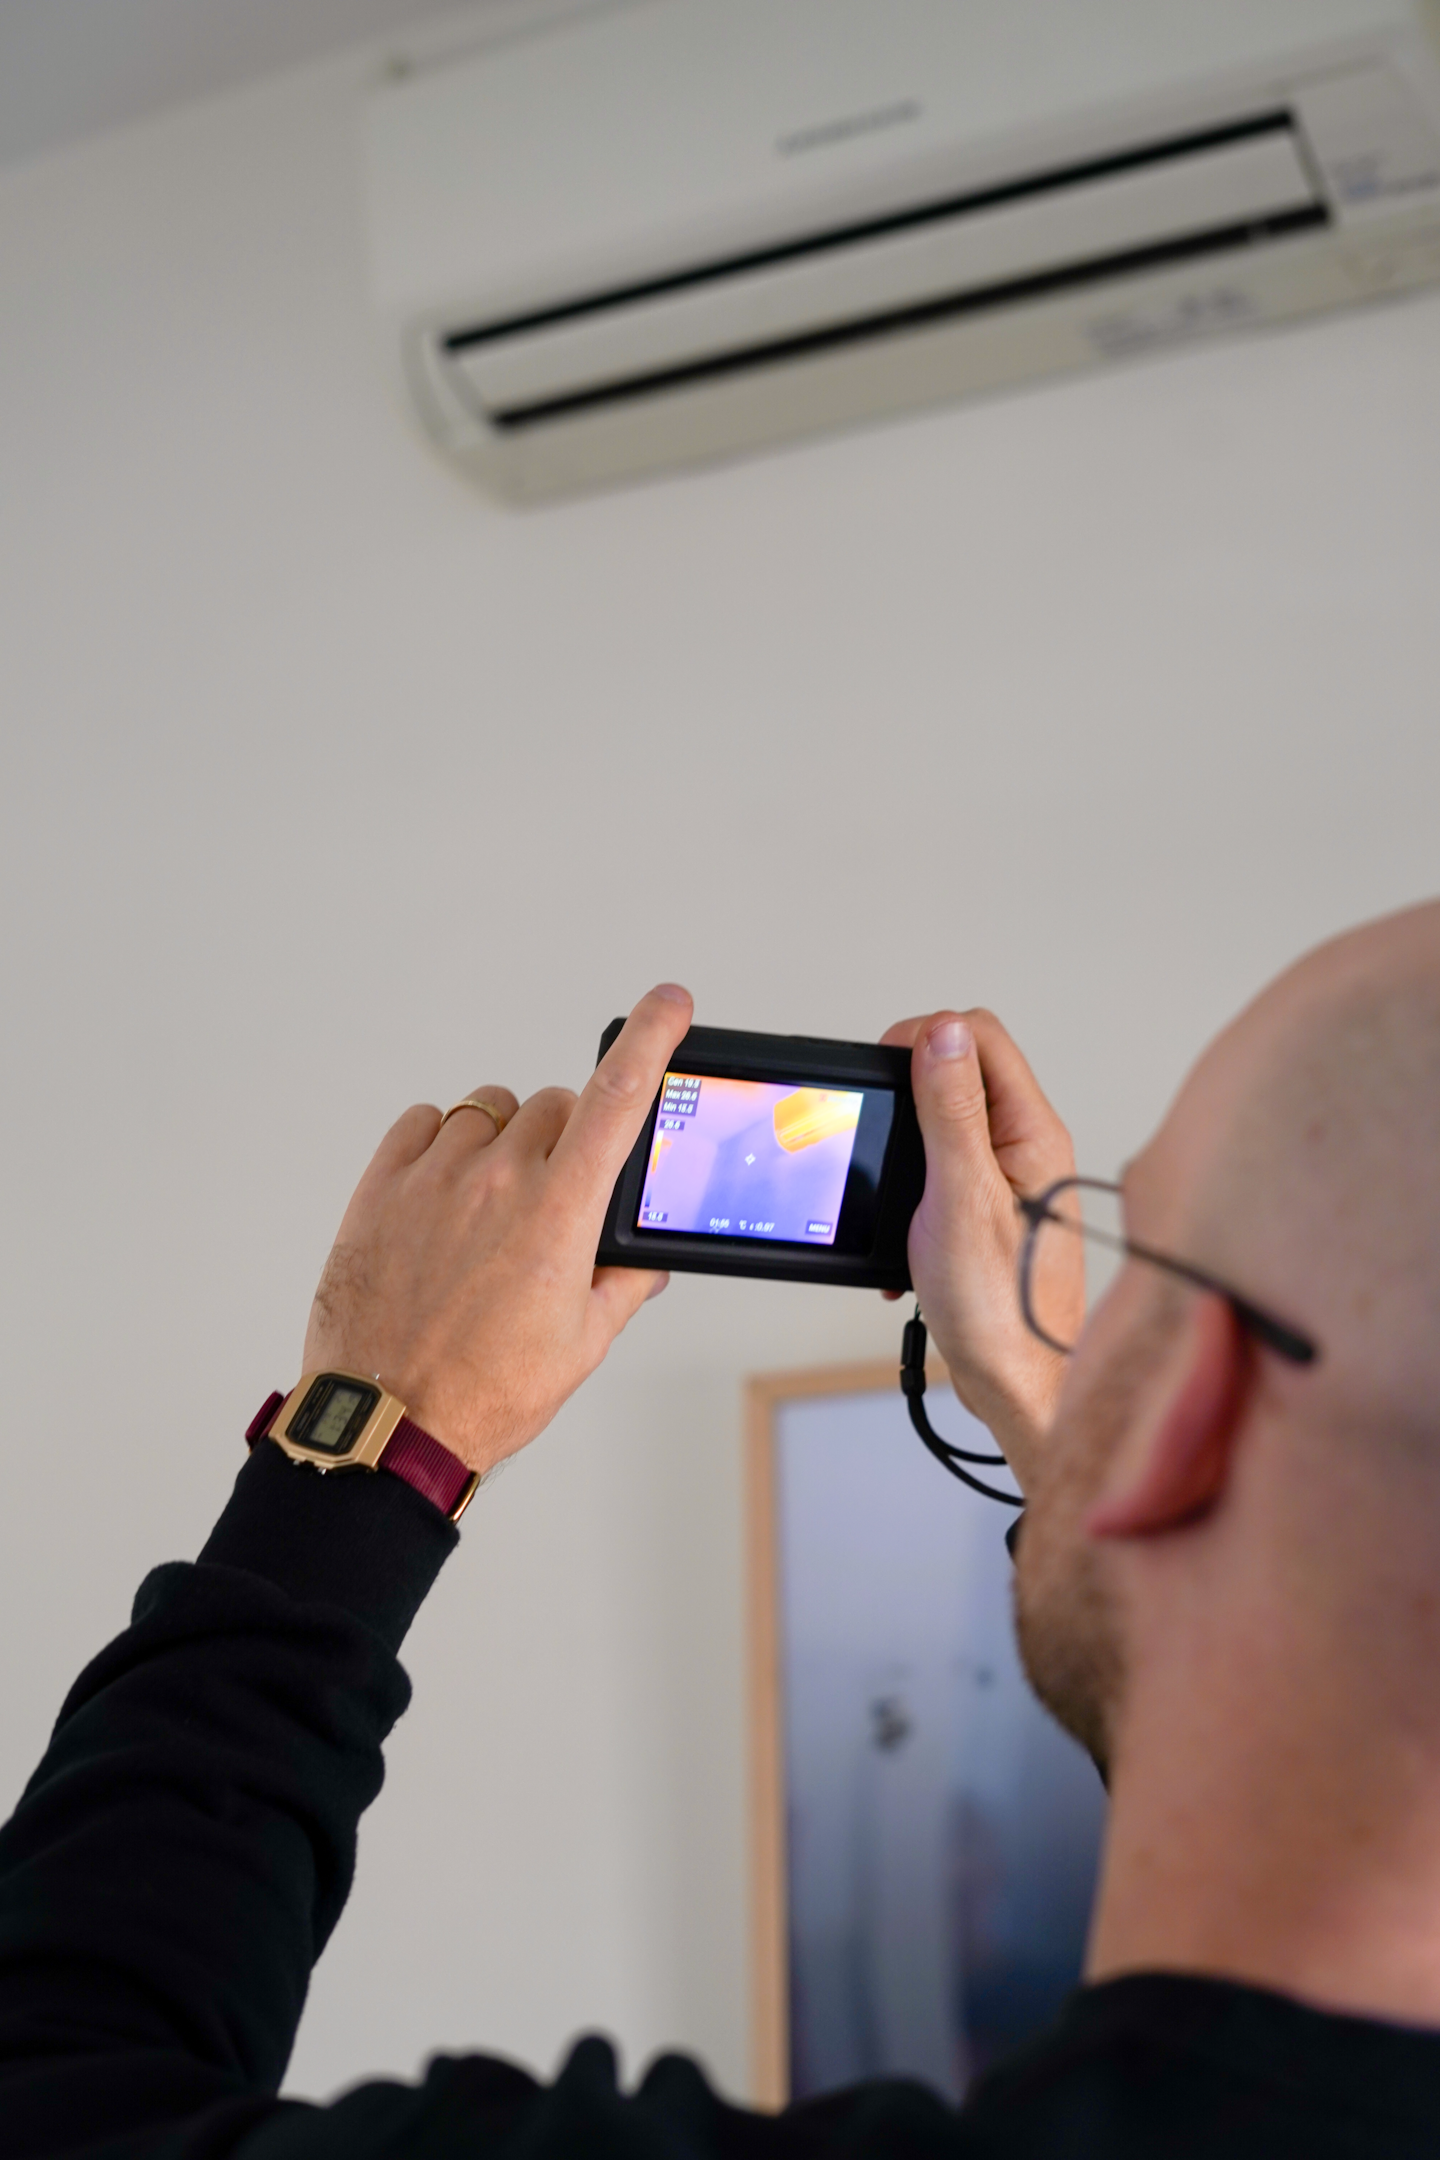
x=182, y=1854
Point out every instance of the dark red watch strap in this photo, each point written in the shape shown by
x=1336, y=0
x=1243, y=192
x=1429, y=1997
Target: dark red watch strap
x=419, y=1458
x=263, y=1419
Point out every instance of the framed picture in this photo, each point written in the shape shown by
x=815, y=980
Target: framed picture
x=925, y=1838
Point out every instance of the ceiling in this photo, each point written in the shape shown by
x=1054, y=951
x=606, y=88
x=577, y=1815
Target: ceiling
x=71, y=68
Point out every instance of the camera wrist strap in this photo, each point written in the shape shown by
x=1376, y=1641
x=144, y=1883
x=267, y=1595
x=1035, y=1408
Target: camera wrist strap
x=950, y=1457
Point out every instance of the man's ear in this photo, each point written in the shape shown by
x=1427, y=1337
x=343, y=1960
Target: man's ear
x=1178, y=1468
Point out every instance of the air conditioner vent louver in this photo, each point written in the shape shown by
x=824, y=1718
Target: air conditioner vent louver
x=1233, y=187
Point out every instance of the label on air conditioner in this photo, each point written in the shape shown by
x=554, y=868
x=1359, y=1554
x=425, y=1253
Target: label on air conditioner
x=1208, y=313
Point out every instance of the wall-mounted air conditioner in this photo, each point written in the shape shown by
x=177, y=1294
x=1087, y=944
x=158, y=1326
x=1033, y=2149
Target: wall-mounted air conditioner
x=671, y=230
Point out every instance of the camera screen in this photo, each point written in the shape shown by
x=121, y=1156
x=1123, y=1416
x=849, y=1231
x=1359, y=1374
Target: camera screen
x=755, y=1159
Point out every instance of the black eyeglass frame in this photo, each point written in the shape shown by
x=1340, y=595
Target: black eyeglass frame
x=1287, y=1341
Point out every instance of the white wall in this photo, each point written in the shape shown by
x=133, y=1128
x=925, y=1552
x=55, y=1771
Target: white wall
x=327, y=787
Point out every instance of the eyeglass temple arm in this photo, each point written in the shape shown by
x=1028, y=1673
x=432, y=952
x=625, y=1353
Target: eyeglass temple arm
x=1276, y=1334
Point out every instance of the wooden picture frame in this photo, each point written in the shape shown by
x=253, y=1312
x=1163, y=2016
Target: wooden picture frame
x=769, y=1957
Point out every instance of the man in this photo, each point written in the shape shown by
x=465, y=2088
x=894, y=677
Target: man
x=1228, y=1587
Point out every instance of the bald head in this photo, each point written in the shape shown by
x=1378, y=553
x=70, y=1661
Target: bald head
x=1304, y=1164
x=1300, y=1164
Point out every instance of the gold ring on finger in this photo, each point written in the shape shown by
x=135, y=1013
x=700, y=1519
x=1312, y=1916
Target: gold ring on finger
x=477, y=1102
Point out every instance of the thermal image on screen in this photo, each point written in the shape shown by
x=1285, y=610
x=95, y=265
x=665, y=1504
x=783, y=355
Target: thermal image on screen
x=745, y=1158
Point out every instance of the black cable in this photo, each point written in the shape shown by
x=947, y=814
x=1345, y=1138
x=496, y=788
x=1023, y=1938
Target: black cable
x=950, y=1457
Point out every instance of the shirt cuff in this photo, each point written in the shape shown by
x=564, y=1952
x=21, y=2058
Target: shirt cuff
x=359, y=1539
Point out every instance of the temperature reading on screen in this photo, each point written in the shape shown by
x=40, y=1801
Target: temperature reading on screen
x=749, y=1158
x=680, y=1100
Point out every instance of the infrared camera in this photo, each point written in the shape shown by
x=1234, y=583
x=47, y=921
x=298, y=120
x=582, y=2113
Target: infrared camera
x=790, y=1157
x=784, y=1156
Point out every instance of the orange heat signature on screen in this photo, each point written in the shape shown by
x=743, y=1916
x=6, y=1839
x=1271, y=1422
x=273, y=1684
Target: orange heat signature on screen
x=813, y=1114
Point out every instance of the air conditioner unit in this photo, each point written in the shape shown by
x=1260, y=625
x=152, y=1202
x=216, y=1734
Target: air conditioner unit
x=672, y=230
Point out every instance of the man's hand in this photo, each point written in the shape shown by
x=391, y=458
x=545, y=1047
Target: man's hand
x=464, y=1271
x=989, y=1135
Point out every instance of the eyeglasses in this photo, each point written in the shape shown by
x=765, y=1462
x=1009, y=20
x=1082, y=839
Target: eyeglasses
x=1054, y=1299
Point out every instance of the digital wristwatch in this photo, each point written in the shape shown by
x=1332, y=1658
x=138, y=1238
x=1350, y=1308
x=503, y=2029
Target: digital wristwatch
x=343, y=1421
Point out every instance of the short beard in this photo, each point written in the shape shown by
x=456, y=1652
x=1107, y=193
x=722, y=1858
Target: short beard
x=1067, y=1617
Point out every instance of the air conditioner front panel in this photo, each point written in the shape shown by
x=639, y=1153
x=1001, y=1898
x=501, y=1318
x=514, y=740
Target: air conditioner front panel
x=660, y=235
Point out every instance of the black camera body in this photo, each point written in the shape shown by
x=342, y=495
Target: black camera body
x=783, y=1156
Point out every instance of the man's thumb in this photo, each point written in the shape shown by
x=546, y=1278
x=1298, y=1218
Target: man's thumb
x=950, y=1096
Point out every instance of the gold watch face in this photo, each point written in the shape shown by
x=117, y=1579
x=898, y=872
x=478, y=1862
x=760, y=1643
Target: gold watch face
x=333, y=1414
